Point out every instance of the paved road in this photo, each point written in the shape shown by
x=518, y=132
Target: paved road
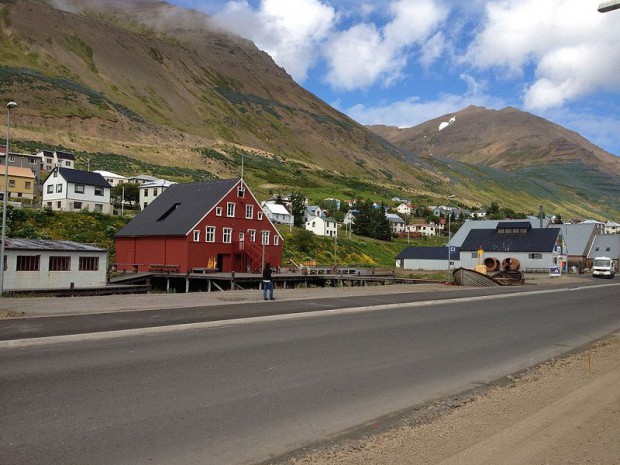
x=240, y=393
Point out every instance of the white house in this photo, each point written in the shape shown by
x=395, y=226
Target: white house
x=113, y=178
x=312, y=211
x=350, y=216
x=35, y=264
x=405, y=209
x=322, y=226
x=422, y=229
x=149, y=191
x=70, y=190
x=612, y=227
x=277, y=213
x=396, y=222
x=56, y=159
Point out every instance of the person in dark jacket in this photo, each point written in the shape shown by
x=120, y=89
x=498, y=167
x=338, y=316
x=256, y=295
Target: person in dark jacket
x=267, y=282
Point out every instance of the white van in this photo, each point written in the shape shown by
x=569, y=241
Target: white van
x=603, y=267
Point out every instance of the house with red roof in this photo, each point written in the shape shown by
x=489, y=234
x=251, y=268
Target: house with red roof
x=217, y=225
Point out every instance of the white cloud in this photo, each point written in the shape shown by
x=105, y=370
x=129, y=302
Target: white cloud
x=572, y=48
x=365, y=54
x=291, y=31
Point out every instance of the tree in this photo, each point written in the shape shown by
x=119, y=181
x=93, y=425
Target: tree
x=298, y=208
x=127, y=191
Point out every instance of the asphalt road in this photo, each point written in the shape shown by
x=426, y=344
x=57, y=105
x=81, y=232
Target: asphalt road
x=241, y=393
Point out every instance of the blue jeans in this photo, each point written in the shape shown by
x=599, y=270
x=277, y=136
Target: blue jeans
x=267, y=285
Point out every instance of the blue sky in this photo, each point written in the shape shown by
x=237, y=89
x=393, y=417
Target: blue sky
x=403, y=62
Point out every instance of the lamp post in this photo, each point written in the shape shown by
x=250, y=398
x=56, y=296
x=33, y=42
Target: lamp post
x=449, y=234
x=5, y=196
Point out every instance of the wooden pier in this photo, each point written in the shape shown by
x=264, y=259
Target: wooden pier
x=219, y=282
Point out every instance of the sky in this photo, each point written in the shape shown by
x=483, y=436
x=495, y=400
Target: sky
x=403, y=62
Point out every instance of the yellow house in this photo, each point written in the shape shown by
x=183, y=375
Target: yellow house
x=21, y=182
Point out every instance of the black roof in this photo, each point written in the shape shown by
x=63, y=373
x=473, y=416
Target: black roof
x=65, y=155
x=83, y=177
x=514, y=224
x=178, y=209
x=535, y=240
x=428, y=253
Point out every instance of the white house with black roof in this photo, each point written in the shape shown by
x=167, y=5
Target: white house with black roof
x=56, y=159
x=428, y=258
x=73, y=190
x=535, y=248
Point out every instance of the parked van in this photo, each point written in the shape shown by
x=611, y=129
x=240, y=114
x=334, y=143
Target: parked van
x=603, y=267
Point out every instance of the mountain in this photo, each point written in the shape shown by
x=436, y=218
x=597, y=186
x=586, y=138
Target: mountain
x=137, y=86
x=531, y=153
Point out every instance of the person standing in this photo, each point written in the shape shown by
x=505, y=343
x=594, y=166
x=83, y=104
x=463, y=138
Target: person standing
x=267, y=282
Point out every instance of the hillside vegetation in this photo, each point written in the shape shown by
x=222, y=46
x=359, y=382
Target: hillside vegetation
x=145, y=87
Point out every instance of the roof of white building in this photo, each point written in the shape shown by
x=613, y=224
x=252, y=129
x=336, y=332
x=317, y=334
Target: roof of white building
x=109, y=174
x=276, y=209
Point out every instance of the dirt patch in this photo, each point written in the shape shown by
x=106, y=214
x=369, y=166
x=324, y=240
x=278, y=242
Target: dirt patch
x=566, y=411
x=10, y=314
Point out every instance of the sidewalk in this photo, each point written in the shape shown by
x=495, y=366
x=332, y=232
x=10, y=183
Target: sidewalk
x=56, y=306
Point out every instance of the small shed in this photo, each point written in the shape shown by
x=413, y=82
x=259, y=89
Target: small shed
x=36, y=264
x=428, y=258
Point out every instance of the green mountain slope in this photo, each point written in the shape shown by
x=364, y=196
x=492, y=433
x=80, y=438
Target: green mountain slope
x=132, y=86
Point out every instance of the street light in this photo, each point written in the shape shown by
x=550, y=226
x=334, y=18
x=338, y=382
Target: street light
x=5, y=197
x=608, y=6
x=449, y=234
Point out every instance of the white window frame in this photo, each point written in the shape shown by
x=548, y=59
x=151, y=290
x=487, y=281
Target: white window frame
x=227, y=235
x=252, y=233
x=276, y=239
x=210, y=232
x=59, y=188
x=264, y=237
x=196, y=235
x=249, y=212
x=230, y=209
x=259, y=216
x=218, y=211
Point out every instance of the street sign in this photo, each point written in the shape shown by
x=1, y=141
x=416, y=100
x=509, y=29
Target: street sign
x=555, y=270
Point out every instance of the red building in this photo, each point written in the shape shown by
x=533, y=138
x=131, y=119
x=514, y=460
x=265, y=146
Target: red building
x=213, y=225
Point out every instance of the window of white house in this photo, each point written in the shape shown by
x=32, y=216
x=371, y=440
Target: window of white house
x=259, y=216
x=146, y=192
x=218, y=211
x=210, y=234
x=28, y=262
x=50, y=188
x=227, y=235
x=68, y=163
x=79, y=188
x=89, y=263
x=60, y=264
x=99, y=191
x=535, y=256
x=58, y=187
x=55, y=175
x=154, y=192
x=249, y=212
x=77, y=205
x=474, y=255
x=252, y=233
x=59, y=205
x=98, y=207
x=276, y=240
x=230, y=209
x=196, y=236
